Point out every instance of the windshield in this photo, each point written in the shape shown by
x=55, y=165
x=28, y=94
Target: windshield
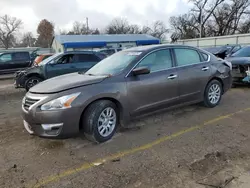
x=243, y=52
x=113, y=64
x=45, y=61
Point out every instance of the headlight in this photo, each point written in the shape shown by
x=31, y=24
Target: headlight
x=23, y=101
x=60, y=103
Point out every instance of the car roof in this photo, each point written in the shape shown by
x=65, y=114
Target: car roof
x=155, y=47
x=11, y=52
x=80, y=52
x=45, y=54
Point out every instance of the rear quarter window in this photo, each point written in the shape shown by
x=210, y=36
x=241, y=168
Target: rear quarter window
x=205, y=56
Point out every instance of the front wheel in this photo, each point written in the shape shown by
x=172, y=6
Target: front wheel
x=100, y=121
x=213, y=94
x=30, y=82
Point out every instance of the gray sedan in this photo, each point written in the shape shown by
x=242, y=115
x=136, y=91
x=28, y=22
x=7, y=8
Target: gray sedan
x=127, y=85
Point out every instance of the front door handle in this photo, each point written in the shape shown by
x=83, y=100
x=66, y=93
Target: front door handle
x=205, y=68
x=172, y=76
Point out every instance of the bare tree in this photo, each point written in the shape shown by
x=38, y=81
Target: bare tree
x=28, y=40
x=8, y=27
x=244, y=27
x=45, y=30
x=122, y=26
x=228, y=17
x=184, y=26
x=95, y=32
x=79, y=28
x=63, y=32
x=212, y=18
x=202, y=11
x=159, y=30
x=118, y=26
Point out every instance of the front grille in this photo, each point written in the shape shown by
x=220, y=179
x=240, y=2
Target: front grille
x=29, y=102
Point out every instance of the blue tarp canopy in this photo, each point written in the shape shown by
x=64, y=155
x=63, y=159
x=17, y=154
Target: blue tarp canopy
x=93, y=41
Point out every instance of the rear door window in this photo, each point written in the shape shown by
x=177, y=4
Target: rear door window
x=21, y=56
x=82, y=58
x=185, y=56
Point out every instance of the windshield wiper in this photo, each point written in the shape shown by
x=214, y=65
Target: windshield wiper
x=81, y=72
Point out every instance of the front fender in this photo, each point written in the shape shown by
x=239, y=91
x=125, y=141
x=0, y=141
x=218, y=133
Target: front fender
x=116, y=93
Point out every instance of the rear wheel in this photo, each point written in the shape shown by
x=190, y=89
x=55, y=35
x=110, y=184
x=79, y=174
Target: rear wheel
x=100, y=121
x=213, y=94
x=30, y=82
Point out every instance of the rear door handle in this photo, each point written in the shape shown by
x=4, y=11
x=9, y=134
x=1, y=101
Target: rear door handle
x=205, y=68
x=172, y=76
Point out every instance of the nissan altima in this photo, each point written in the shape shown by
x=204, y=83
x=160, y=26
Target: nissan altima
x=127, y=85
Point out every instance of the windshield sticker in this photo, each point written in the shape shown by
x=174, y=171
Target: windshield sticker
x=134, y=53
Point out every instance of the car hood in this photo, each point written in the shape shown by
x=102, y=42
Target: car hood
x=239, y=60
x=29, y=69
x=65, y=82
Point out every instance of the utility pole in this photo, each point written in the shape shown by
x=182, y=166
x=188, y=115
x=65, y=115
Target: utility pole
x=201, y=23
x=87, y=24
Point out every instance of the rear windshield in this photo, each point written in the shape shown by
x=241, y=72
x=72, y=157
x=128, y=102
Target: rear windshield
x=243, y=52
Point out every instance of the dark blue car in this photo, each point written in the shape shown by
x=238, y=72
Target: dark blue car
x=58, y=64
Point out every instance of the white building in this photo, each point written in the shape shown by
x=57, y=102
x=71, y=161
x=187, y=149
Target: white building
x=241, y=39
x=63, y=43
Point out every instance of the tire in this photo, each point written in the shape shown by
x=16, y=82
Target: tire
x=28, y=82
x=212, y=99
x=93, y=119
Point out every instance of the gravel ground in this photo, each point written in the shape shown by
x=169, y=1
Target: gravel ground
x=154, y=152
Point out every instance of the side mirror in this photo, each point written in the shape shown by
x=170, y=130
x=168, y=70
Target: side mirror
x=140, y=71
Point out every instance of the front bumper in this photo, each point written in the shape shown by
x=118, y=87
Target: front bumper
x=227, y=83
x=239, y=72
x=19, y=79
x=62, y=123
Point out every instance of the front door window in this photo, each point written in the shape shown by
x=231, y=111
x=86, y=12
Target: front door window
x=157, y=61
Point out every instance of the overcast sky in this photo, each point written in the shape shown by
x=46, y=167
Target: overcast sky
x=64, y=12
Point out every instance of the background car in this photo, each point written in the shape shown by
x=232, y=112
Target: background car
x=11, y=62
x=223, y=51
x=40, y=58
x=110, y=51
x=241, y=64
x=58, y=64
x=129, y=84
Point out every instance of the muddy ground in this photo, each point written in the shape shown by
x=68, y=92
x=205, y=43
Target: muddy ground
x=166, y=150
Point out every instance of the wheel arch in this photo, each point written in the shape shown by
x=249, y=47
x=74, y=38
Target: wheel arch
x=34, y=74
x=218, y=79
x=115, y=101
